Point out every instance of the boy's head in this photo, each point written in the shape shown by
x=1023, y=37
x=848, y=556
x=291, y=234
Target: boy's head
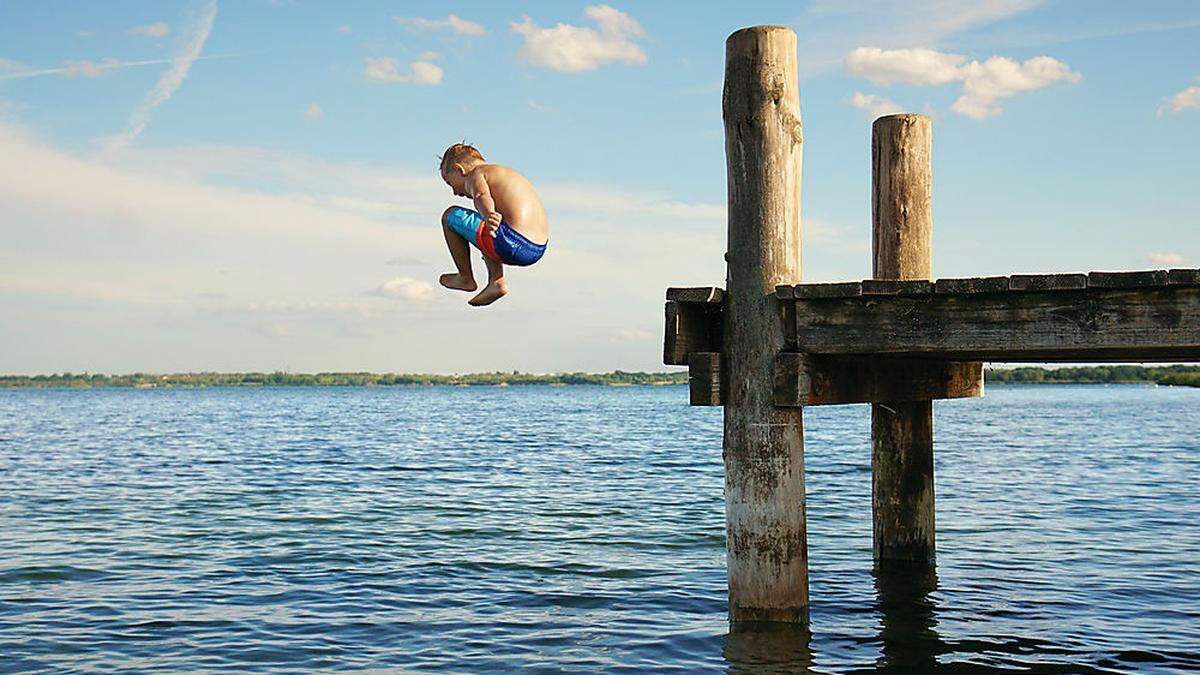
x=458, y=161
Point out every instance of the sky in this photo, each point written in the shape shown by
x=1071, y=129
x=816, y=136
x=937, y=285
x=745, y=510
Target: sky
x=252, y=185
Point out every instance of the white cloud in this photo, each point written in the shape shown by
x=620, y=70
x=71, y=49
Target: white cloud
x=904, y=66
x=572, y=49
x=344, y=29
x=404, y=288
x=313, y=111
x=451, y=23
x=1188, y=99
x=157, y=29
x=388, y=69
x=1164, y=258
x=170, y=81
x=84, y=33
x=875, y=105
x=428, y=56
x=984, y=83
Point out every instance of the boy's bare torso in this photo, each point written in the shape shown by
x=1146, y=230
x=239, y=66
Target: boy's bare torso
x=516, y=200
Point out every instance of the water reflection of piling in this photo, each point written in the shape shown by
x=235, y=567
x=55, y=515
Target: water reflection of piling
x=753, y=647
x=908, y=617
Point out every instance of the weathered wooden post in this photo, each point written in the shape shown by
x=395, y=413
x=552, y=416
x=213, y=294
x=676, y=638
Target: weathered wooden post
x=767, y=550
x=902, y=432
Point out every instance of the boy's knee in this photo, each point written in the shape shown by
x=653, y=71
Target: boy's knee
x=446, y=214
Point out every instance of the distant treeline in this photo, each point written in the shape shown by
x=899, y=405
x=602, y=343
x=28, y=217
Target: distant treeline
x=276, y=379
x=1188, y=376
x=1167, y=375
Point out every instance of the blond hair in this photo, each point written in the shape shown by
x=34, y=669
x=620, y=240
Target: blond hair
x=458, y=153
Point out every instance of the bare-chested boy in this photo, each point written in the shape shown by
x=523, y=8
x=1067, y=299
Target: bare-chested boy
x=508, y=224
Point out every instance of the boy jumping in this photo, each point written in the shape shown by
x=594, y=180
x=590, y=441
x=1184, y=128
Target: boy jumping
x=508, y=224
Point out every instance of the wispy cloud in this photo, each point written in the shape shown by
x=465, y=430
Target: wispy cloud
x=875, y=105
x=451, y=23
x=82, y=68
x=1164, y=258
x=390, y=70
x=404, y=288
x=157, y=29
x=167, y=85
x=572, y=49
x=313, y=111
x=1188, y=99
x=984, y=83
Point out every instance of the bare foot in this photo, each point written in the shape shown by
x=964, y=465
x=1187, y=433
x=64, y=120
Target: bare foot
x=490, y=293
x=457, y=282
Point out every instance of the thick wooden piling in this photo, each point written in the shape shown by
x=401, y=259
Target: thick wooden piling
x=902, y=431
x=767, y=551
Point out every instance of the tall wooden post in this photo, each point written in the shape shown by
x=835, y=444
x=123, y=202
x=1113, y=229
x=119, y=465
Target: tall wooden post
x=902, y=433
x=767, y=548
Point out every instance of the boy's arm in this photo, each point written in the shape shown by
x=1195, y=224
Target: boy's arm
x=481, y=195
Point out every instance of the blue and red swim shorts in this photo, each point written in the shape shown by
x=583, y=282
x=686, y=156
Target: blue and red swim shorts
x=508, y=246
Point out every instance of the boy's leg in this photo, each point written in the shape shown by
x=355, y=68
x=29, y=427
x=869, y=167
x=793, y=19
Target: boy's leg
x=460, y=253
x=496, y=287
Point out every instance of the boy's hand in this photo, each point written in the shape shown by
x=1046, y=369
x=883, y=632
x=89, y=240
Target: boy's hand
x=493, y=223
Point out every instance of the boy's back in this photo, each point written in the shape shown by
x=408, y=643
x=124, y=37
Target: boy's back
x=516, y=200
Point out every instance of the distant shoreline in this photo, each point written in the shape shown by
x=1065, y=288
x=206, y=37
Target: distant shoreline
x=1187, y=376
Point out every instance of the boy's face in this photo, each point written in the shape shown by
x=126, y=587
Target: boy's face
x=456, y=178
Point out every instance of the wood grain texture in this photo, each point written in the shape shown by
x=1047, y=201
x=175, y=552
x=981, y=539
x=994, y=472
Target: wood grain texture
x=690, y=327
x=804, y=380
x=1141, y=279
x=846, y=289
x=901, y=194
x=902, y=428
x=704, y=379
x=1096, y=324
x=1047, y=282
x=1184, y=277
x=971, y=286
x=897, y=287
x=703, y=294
x=766, y=545
x=902, y=498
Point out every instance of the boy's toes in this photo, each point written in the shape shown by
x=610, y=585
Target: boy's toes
x=457, y=282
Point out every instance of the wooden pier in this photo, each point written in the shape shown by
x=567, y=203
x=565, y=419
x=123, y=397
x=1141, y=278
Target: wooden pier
x=767, y=344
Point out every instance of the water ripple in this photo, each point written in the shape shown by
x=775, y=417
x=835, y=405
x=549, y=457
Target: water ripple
x=285, y=530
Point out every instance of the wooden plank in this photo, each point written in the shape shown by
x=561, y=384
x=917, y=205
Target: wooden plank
x=907, y=287
x=1095, y=324
x=1143, y=279
x=806, y=380
x=970, y=286
x=1047, y=282
x=690, y=327
x=1184, y=277
x=696, y=294
x=784, y=292
x=704, y=379
x=846, y=289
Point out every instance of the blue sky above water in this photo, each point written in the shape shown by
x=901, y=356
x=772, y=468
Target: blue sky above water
x=252, y=185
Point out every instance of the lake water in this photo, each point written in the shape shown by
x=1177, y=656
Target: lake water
x=576, y=528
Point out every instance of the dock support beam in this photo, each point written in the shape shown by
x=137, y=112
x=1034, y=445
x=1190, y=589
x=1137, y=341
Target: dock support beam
x=902, y=432
x=767, y=548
